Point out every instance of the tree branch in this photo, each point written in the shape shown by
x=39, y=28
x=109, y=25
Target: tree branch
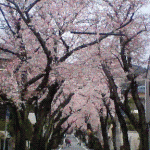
x=111, y=5
x=63, y=41
x=125, y=107
x=128, y=22
x=34, y=79
x=9, y=51
x=63, y=58
x=128, y=12
x=7, y=21
x=18, y=9
x=31, y=6
x=94, y=33
x=37, y=34
x=124, y=58
x=7, y=6
x=118, y=60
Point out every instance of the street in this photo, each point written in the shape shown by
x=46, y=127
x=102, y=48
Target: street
x=74, y=144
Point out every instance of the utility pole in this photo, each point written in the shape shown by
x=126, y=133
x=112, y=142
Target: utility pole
x=147, y=99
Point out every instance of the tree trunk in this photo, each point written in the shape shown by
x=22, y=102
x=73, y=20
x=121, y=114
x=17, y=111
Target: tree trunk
x=114, y=135
x=143, y=134
x=104, y=133
x=143, y=128
x=115, y=97
x=37, y=141
x=22, y=140
x=17, y=140
x=123, y=127
x=143, y=140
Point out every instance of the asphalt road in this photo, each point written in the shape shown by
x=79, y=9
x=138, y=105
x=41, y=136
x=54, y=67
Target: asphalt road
x=74, y=144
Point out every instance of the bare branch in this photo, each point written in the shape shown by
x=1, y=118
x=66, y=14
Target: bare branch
x=94, y=33
x=32, y=5
x=9, y=51
x=37, y=34
x=63, y=104
x=128, y=12
x=65, y=44
x=128, y=22
x=34, y=79
x=132, y=37
x=17, y=9
x=41, y=41
x=63, y=58
x=104, y=35
x=7, y=22
x=126, y=64
x=7, y=6
x=118, y=60
x=114, y=9
x=18, y=67
x=29, y=8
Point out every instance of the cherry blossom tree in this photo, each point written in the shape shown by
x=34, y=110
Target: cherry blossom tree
x=53, y=44
x=122, y=53
x=35, y=39
x=118, y=61
x=129, y=47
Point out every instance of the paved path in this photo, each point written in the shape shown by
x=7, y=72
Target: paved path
x=74, y=144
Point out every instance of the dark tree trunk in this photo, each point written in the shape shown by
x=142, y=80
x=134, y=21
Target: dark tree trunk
x=142, y=128
x=36, y=141
x=114, y=135
x=104, y=133
x=123, y=127
x=114, y=96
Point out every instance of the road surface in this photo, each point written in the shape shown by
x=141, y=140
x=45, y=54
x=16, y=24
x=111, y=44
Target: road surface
x=74, y=144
